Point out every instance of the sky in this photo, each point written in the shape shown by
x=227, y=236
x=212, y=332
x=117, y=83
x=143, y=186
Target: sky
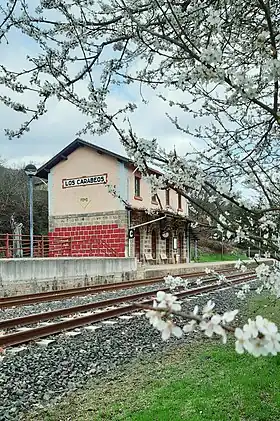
x=59, y=126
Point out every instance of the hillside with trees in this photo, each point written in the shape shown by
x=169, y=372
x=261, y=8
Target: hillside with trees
x=14, y=200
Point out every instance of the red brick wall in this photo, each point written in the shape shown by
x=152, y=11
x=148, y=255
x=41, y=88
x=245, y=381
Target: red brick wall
x=85, y=241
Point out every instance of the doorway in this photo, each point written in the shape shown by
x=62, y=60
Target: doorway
x=154, y=244
x=181, y=247
x=137, y=241
x=167, y=249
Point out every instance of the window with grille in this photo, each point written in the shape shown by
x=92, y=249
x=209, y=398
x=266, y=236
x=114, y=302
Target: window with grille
x=137, y=186
x=154, y=198
x=179, y=201
x=167, y=197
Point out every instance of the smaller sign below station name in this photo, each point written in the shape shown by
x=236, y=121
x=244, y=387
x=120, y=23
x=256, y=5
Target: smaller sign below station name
x=84, y=181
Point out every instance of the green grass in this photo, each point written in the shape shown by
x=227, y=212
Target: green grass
x=217, y=257
x=207, y=382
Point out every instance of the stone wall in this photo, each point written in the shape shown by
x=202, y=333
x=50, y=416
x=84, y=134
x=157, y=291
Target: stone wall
x=92, y=234
x=98, y=218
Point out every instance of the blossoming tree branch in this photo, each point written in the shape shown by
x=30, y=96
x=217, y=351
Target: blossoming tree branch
x=215, y=65
x=259, y=337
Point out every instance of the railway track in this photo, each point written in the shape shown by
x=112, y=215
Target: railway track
x=27, y=299
x=31, y=334
x=39, y=317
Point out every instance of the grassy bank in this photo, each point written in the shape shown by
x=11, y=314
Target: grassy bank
x=194, y=383
x=218, y=257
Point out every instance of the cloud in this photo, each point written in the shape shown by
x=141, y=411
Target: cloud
x=59, y=126
x=28, y=159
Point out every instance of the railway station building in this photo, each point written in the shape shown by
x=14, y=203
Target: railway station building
x=100, y=205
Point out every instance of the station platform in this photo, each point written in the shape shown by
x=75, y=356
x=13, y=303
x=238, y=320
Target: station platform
x=152, y=271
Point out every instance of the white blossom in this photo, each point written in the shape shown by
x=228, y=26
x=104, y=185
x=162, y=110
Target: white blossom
x=258, y=337
x=168, y=328
x=154, y=317
x=229, y=316
x=259, y=289
x=189, y=327
x=168, y=301
x=246, y=288
x=242, y=344
x=243, y=268
x=258, y=347
x=161, y=296
x=270, y=277
x=186, y=283
x=175, y=282
x=240, y=234
x=221, y=278
x=207, y=310
x=213, y=326
x=195, y=310
x=241, y=295
x=265, y=327
x=251, y=328
x=273, y=344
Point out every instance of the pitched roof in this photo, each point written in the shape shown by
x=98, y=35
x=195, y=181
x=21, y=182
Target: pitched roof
x=64, y=153
x=77, y=143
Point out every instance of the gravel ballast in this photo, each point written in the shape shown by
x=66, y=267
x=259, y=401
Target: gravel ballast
x=14, y=312
x=39, y=375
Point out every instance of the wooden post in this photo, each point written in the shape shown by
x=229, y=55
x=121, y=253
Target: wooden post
x=188, y=243
x=195, y=250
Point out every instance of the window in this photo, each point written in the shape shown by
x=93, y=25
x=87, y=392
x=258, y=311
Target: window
x=154, y=199
x=167, y=197
x=137, y=190
x=179, y=201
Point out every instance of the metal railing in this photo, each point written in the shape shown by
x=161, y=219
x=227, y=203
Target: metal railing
x=13, y=246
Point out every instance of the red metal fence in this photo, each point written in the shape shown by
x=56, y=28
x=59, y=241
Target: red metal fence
x=11, y=246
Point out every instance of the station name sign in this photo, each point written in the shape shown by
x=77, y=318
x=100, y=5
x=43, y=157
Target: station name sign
x=91, y=180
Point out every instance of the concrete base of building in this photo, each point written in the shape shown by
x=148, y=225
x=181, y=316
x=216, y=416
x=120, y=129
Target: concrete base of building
x=24, y=276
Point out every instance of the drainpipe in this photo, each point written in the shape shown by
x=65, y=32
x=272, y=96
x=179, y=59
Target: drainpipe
x=128, y=216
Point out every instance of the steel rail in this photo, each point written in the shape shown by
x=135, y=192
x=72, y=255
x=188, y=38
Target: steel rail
x=40, y=332
x=48, y=315
x=82, y=291
x=96, y=287
x=114, y=285
x=38, y=317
